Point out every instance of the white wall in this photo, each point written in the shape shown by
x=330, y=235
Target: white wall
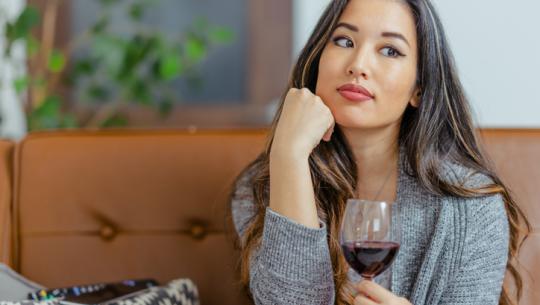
x=496, y=44
x=13, y=123
x=305, y=15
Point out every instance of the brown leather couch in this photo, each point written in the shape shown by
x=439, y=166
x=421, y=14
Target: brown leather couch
x=88, y=207
x=516, y=156
x=105, y=206
x=6, y=163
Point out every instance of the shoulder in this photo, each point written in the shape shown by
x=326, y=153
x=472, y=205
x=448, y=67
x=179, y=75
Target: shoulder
x=459, y=174
x=243, y=184
x=481, y=212
x=243, y=206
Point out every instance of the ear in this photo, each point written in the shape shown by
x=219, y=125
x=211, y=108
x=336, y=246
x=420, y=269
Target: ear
x=415, y=98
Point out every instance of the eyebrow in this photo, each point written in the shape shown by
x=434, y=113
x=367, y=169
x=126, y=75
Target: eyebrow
x=383, y=34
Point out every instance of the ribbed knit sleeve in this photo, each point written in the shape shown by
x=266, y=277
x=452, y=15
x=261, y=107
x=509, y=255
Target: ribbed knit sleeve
x=479, y=277
x=292, y=264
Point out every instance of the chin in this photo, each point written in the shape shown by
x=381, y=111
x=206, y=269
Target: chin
x=349, y=120
x=363, y=123
x=359, y=126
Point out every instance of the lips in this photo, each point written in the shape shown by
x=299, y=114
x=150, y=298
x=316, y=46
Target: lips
x=355, y=92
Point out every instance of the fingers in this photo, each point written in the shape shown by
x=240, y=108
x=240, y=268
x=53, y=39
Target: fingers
x=328, y=134
x=374, y=291
x=311, y=105
x=362, y=300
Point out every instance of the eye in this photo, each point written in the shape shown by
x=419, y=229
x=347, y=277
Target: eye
x=343, y=42
x=392, y=52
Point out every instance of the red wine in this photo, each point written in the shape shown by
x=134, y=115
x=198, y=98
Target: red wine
x=370, y=258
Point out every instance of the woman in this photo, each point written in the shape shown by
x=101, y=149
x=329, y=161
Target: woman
x=376, y=82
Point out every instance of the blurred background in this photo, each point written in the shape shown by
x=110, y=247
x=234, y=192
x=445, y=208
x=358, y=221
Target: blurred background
x=141, y=63
x=209, y=63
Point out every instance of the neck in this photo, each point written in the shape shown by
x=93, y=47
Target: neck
x=376, y=155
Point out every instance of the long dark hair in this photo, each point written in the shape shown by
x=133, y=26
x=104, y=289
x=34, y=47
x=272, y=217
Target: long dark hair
x=440, y=129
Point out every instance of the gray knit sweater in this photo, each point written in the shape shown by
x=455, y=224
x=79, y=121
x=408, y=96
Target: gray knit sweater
x=453, y=250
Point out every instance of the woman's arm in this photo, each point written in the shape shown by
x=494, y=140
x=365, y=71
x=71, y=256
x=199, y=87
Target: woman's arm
x=479, y=278
x=292, y=264
x=291, y=188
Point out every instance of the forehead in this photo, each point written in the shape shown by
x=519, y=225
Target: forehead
x=373, y=17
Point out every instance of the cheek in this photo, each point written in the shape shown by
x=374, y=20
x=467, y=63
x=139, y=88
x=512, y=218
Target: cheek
x=326, y=74
x=396, y=84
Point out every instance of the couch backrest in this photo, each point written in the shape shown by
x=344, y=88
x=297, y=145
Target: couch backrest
x=516, y=156
x=6, y=171
x=98, y=207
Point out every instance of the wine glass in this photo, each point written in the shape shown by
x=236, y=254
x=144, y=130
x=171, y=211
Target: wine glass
x=368, y=238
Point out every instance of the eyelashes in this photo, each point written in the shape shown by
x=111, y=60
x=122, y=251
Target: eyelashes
x=338, y=38
x=349, y=44
x=398, y=54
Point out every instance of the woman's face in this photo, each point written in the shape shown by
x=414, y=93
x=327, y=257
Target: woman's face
x=373, y=45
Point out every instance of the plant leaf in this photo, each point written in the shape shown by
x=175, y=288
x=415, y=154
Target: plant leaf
x=98, y=93
x=100, y=26
x=21, y=84
x=69, y=121
x=140, y=93
x=84, y=66
x=57, y=61
x=107, y=2
x=195, y=49
x=46, y=115
x=49, y=107
x=108, y=51
x=165, y=106
x=116, y=120
x=24, y=23
x=137, y=50
x=170, y=66
x=221, y=35
x=39, y=81
x=32, y=45
x=136, y=11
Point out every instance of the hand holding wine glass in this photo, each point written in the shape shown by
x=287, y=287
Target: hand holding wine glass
x=370, y=293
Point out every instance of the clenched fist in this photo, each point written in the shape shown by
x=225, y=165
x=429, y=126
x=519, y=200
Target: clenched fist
x=304, y=121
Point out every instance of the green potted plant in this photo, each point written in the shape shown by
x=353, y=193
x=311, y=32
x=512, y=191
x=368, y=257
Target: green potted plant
x=112, y=68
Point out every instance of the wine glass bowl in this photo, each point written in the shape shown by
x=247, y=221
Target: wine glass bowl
x=369, y=239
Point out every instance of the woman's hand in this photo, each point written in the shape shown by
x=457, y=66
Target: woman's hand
x=371, y=293
x=303, y=122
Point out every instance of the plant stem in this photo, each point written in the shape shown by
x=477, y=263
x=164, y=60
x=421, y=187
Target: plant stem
x=47, y=35
x=102, y=113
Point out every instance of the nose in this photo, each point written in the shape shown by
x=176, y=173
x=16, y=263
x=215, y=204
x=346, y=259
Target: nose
x=358, y=66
